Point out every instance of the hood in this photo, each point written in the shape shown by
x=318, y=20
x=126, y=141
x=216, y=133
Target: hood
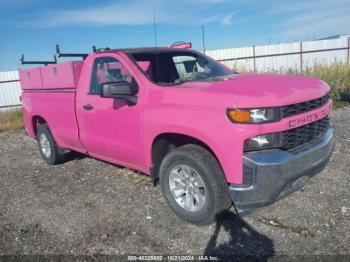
x=266, y=90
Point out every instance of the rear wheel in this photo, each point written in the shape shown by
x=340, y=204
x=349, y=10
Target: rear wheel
x=48, y=148
x=194, y=185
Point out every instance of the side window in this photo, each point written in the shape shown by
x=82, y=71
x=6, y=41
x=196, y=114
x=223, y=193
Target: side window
x=107, y=69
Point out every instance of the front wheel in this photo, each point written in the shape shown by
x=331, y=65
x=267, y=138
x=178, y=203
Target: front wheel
x=194, y=185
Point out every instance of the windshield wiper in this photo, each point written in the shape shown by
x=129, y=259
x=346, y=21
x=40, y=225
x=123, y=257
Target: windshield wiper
x=220, y=78
x=176, y=82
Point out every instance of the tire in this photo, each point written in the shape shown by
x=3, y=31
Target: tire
x=48, y=148
x=212, y=187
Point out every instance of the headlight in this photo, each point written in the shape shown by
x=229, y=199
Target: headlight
x=260, y=142
x=254, y=116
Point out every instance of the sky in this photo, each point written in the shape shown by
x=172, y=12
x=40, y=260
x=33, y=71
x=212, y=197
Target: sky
x=34, y=27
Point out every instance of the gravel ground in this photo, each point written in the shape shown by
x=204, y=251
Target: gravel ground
x=88, y=207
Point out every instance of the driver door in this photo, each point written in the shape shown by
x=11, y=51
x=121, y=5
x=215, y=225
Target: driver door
x=109, y=128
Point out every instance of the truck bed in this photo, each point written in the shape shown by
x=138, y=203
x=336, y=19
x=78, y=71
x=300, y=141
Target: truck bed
x=51, y=90
x=54, y=76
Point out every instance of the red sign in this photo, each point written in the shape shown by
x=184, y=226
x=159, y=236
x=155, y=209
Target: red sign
x=181, y=45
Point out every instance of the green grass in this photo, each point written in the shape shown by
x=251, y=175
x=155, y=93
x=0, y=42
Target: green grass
x=337, y=76
x=11, y=120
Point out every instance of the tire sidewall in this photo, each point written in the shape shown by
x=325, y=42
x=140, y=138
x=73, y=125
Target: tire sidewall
x=44, y=130
x=177, y=158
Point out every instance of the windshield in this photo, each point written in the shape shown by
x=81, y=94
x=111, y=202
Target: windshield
x=177, y=67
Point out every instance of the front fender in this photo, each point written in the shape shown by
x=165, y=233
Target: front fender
x=219, y=147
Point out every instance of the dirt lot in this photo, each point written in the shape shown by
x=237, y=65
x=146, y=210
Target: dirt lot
x=87, y=207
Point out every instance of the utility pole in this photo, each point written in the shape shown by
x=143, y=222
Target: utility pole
x=155, y=29
x=269, y=40
x=203, y=39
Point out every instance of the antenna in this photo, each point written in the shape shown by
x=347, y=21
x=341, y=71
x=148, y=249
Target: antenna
x=155, y=29
x=203, y=38
x=23, y=62
x=59, y=54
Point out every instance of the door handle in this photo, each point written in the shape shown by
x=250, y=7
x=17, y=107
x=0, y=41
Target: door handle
x=88, y=107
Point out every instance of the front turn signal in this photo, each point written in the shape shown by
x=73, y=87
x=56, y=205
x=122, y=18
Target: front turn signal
x=238, y=115
x=254, y=115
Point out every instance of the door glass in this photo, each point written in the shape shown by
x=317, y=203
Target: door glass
x=107, y=69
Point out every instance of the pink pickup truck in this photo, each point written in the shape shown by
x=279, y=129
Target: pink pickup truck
x=212, y=137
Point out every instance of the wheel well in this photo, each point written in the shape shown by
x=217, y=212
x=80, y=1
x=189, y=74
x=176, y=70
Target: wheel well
x=166, y=142
x=36, y=122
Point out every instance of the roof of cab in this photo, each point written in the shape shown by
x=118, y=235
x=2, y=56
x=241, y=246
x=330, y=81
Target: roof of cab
x=142, y=50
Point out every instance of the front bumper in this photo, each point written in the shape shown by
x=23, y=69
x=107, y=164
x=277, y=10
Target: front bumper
x=276, y=173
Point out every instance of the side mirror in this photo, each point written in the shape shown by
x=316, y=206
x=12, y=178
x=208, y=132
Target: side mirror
x=119, y=89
